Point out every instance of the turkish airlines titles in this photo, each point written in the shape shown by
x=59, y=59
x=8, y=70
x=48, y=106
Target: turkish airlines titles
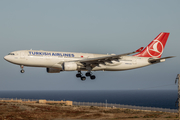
x=50, y=54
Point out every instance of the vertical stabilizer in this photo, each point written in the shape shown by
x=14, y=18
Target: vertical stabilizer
x=156, y=47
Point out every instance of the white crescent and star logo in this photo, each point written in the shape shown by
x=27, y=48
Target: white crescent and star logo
x=155, y=49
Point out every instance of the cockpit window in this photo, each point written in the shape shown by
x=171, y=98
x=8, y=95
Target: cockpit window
x=11, y=54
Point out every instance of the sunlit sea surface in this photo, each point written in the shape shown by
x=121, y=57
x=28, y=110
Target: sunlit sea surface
x=148, y=98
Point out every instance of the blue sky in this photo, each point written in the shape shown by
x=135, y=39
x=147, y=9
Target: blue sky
x=90, y=26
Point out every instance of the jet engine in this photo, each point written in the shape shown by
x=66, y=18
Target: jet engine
x=70, y=66
x=53, y=70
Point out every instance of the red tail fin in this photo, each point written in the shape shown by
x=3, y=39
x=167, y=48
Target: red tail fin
x=156, y=47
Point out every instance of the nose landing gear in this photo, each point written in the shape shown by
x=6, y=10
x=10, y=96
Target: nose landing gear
x=22, y=70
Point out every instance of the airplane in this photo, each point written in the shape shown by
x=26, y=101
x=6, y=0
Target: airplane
x=56, y=62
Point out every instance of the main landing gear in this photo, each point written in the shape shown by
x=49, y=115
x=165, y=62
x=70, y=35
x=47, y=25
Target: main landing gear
x=88, y=74
x=22, y=70
x=80, y=75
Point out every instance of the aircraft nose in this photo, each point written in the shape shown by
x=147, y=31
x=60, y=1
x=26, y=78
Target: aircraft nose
x=6, y=58
x=9, y=58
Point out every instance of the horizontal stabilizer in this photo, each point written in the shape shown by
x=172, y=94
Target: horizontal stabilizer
x=151, y=60
x=140, y=49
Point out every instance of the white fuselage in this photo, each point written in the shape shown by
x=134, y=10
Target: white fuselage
x=52, y=59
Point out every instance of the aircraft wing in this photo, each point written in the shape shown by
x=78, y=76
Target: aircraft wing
x=99, y=60
x=151, y=60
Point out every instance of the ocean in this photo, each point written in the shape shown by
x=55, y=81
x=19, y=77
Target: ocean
x=146, y=98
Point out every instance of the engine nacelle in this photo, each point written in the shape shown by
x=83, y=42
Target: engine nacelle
x=53, y=70
x=70, y=66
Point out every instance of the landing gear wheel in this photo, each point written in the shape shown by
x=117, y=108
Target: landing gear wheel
x=88, y=74
x=83, y=78
x=22, y=71
x=92, y=77
x=78, y=75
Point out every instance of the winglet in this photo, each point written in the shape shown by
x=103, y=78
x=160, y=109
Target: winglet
x=140, y=49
